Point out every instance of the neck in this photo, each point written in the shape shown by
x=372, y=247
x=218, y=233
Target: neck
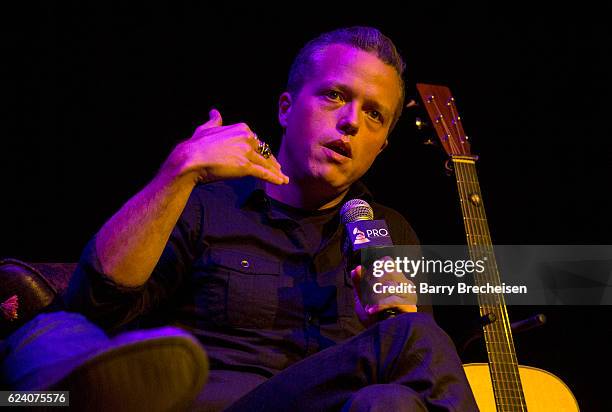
x=303, y=195
x=304, y=191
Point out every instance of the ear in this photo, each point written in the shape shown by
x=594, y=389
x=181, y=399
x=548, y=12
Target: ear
x=284, y=108
x=385, y=144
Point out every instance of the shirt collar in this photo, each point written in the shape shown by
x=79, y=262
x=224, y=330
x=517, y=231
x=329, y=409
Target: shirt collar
x=253, y=193
x=359, y=190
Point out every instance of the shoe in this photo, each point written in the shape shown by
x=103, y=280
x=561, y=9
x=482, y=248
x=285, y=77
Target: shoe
x=165, y=373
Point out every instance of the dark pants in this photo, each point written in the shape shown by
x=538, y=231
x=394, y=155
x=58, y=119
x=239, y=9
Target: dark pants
x=406, y=363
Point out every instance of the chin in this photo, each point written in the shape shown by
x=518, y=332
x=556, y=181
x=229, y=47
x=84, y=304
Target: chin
x=330, y=175
x=338, y=182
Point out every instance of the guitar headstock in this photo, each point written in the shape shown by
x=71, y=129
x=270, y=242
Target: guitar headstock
x=442, y=111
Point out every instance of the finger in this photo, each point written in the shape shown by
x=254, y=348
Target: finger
x=273, y=158
x=243, y=129
x=214, y=120
x=270, y=162
x=356, y=275
x=255, y=144
x=266, y=163
x=258, y=158
x=266, y=174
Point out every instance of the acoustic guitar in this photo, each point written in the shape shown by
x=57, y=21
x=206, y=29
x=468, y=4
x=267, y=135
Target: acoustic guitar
x=501, y=384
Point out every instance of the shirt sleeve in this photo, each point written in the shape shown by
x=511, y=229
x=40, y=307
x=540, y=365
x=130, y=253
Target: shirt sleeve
x=113, y=306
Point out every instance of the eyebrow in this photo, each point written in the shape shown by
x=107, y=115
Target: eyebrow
x=369, y=102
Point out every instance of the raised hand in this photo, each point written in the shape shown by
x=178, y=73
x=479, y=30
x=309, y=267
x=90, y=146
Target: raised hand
x=217, y=152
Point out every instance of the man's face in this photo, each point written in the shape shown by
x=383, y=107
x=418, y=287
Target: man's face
x=339, y=122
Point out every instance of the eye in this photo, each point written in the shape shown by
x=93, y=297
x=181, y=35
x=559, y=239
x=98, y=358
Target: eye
x=375, y=115
x=334, y=95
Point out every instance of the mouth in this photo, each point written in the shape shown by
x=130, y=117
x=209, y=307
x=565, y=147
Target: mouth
x=340, y=147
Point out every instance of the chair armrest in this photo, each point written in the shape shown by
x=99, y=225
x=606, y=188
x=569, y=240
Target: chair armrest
x=34, y=293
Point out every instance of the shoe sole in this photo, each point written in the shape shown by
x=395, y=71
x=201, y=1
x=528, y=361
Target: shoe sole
x=163, y=374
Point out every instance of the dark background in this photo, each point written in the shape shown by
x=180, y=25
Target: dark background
x=94, y=96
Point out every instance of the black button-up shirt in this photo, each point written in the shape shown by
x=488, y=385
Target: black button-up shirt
x=260, y=283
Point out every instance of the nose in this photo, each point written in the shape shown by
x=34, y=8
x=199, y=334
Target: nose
x=348, y=123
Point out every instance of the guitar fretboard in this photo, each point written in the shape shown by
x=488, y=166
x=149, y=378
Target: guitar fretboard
x=498, y=334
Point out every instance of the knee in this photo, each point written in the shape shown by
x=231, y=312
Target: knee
x=421, y=325
x=411, y=324
x=384, y=397
x=417, y=320
x=418, y=331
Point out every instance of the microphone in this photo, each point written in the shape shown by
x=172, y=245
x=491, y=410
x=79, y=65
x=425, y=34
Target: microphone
x=362, y=231
x=366, y=240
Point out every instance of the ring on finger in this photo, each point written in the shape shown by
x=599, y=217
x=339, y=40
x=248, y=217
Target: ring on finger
x=263, y=149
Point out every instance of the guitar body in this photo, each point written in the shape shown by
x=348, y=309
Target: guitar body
x=543, y=390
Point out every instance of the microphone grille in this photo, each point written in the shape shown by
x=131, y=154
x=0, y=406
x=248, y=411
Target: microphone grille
x=356, y=209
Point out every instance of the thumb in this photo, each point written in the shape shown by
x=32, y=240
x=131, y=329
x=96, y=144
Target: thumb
x=357, y=273
x=360, y=308
x=215, y=120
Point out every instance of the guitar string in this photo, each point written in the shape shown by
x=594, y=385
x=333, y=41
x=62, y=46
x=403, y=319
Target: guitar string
x=463, y=181
x=469, y=177
x=441, y=121
x=463, y=199
x=482, y=300
x=500, y=304
x=480, y=222
x=477, y=240
x=501, y=297
x=502, y=370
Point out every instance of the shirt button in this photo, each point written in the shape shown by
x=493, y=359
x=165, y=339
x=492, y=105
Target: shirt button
x=245, y=263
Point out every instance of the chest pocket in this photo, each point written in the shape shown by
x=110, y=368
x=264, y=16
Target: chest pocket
x=252, y=287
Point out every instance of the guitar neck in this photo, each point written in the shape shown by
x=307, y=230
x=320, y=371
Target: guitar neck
x=497, y=332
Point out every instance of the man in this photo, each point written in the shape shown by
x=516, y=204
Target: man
x=244, y=251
